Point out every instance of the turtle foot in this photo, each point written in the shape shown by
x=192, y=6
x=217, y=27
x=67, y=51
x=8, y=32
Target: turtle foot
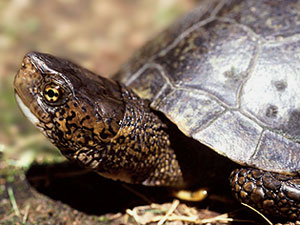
x=271, y=193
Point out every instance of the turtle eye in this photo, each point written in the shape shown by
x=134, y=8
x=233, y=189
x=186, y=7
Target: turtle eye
x=52, y=92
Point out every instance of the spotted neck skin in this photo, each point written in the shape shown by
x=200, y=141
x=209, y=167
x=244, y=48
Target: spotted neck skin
x=96, y=122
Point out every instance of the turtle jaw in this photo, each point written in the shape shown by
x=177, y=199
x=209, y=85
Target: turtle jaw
x=26, y=111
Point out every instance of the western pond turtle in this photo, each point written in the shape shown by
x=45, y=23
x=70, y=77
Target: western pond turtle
x=227, y=75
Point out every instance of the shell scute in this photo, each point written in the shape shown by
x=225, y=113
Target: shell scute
x=232, y=135
x=182, y=106
x=243, y=58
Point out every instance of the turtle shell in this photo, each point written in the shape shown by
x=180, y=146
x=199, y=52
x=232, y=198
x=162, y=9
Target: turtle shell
x=228, y=75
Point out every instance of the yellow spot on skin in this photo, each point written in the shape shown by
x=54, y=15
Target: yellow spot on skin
x=193, y=196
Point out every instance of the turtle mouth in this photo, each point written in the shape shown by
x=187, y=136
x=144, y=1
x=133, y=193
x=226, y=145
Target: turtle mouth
x=26, y=111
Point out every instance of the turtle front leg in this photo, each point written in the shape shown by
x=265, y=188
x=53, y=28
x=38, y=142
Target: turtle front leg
x=271, y=193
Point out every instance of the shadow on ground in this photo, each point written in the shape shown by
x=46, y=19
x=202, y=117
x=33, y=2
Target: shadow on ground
x=91, y=194
x=88, y=192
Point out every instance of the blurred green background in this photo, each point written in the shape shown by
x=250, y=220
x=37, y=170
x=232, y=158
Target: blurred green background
x=98, y=34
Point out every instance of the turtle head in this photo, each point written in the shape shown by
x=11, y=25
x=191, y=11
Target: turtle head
x=75, y=108
x=95, y=122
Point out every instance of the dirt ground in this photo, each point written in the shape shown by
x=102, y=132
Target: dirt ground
x=37, y=185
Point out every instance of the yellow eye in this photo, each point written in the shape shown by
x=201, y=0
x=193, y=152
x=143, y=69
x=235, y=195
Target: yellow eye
x=52, y=92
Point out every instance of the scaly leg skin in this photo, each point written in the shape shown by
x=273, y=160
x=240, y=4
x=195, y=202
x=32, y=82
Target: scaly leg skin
x=271, y=193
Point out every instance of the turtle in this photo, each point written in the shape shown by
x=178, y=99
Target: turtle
x=215, y=91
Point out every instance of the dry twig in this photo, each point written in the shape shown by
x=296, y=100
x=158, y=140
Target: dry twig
x=170, y=211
